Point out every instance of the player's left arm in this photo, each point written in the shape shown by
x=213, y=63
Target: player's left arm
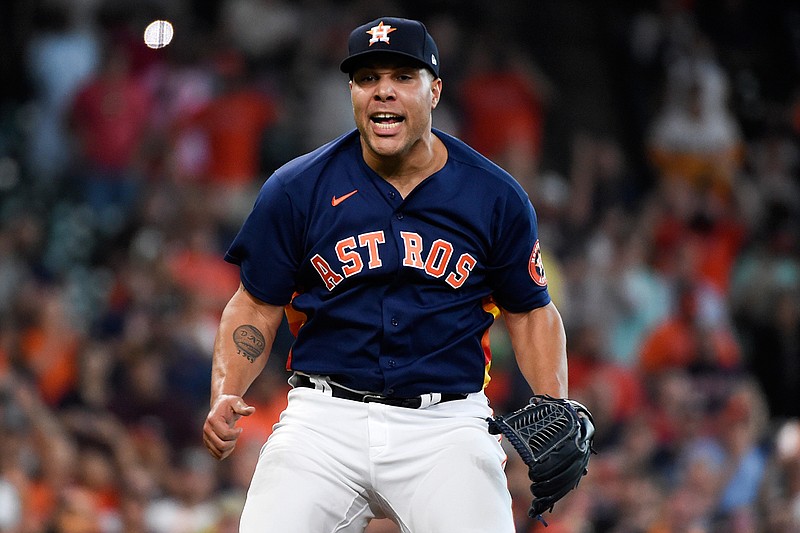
x=540, y=346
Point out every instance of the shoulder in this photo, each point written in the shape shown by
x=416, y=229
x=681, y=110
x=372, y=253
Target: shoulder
x=491, y=176
x=314, y=162
x=295, y=182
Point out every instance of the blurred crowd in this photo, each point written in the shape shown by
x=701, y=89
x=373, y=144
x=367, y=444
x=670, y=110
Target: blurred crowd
x=658, y=141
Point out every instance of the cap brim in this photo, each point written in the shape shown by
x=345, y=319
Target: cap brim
x=355, y=61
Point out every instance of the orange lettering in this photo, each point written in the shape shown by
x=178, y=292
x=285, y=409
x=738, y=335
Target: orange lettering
x=331, y=278
x=438, y=257
x=350, y=258
x=371, y=241
x=413, y=246
x=464, y=266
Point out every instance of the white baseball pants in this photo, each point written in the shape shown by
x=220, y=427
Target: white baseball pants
x=331, y=465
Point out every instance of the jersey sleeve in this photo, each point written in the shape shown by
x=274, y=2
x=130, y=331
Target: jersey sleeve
x=266, y=246
x=516, y=274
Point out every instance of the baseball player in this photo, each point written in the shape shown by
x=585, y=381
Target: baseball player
x=392, y=250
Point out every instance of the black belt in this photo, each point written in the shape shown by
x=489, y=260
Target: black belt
x=415, y=402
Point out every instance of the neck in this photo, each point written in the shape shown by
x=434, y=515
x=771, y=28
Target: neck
x=407, y=170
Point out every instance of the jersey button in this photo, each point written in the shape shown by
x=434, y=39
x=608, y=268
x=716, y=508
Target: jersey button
x=392, y=364
x=394, y=321
x=399, y=216
x=392, y=195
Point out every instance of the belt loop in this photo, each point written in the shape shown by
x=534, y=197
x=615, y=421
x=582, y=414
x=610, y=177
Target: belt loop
x=429, y=399
x=321, y=385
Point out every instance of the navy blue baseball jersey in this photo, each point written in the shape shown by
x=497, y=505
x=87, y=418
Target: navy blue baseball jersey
x=390, y=294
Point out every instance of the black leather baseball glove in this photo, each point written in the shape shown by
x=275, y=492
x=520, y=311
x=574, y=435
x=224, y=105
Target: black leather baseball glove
x=554, y=438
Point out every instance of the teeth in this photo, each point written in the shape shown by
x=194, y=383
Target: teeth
x=386, y=121
x=378, y=117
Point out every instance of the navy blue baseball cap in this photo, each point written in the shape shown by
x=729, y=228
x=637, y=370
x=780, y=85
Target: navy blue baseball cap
x=392, y=35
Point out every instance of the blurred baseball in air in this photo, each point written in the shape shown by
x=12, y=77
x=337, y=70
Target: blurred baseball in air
x=158, y=34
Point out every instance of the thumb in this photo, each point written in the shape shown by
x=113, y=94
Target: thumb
x=240, y=408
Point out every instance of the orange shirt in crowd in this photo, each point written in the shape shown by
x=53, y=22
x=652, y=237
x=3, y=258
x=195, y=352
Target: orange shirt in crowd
x=676, y=344
x=53, y=359
x=234, y=124
x=503, y=111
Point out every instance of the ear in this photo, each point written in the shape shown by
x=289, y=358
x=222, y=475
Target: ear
x=436, y=91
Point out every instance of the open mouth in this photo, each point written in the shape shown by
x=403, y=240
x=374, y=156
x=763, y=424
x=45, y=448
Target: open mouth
x=386, y=120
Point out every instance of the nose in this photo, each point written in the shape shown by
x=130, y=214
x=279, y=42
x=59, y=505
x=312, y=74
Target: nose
x=385, y=90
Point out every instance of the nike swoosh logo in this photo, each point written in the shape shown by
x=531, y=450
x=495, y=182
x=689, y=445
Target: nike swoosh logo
x=336, y=201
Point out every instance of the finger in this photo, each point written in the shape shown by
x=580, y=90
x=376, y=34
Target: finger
x=242, y=409
x=218, y=451
x=222, y=428
x=220, y=445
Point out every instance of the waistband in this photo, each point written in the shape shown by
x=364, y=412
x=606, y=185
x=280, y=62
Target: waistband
x=338, y=391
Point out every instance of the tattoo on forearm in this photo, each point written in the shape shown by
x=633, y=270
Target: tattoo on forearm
x=249, y=342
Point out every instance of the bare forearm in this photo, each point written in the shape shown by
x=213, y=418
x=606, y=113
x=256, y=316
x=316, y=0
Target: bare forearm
x=246, y=332
x=540, y=346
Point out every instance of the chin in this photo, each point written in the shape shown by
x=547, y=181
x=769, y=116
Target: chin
x=385, y=147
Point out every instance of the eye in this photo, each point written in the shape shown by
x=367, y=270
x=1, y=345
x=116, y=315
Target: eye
x=364, y=77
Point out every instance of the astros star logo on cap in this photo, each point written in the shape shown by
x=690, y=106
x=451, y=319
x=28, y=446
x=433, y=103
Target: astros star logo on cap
x=380, y=33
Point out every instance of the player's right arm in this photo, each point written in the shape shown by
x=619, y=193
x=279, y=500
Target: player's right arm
x=244, y=339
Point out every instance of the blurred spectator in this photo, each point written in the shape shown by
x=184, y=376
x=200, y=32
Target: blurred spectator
x=685, y=340
x=22, y=236
x=676, y=409
x=192, y=257
x=644, y=294
x=76, y=512
x=109, y=119
x=188, y=505
x=742, y=424
x=770, y=265
x=50, y=345
x=652, y=36
x=503, y=97
x=781, y=495
x=61, y=55
x=329, y=101
x=640, y=504
x=106, y=457
x=771, y=190
x=261, y=29
x=38, y=455
x=695, y=138
x=184, y=85
x=234, y=123
x=93, y=390
x=601, y=182
x=588, y=284
x=10, y=506
x=144, y=402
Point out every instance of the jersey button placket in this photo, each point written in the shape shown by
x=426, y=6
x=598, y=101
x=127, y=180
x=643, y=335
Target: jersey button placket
x=392, y=358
